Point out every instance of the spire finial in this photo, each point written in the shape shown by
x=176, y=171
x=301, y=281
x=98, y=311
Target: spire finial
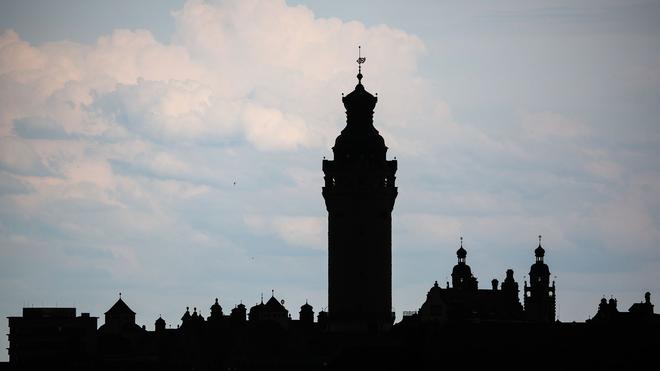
x=272, y=292
x=360, y=61
x=262, y=298
x=120, y=295
x=461, y=241
x=539, y=240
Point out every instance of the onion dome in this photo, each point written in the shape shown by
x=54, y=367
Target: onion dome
x=540, y=251
x=461, y=253
x=359, y=137
x=306, y=306
x=360, y=99
x=216, y=309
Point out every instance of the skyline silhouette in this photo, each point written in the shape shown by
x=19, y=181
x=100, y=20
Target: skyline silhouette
x=358, y=330
x=162, y=163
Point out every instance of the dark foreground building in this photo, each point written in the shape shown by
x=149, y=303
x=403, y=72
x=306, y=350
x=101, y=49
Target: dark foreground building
x=458, y=326
x=359, y=194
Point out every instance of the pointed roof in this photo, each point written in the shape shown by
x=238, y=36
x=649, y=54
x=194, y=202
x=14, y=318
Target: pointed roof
x=306, y=306
x=120, y=308
x=273, y=305
x=186, y=315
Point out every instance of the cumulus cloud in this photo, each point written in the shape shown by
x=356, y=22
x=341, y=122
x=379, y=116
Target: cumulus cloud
x=164, y=152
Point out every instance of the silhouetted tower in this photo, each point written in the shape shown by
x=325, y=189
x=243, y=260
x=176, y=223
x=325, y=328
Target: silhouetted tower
x=359, y=195
x=306, y=313
x=186, y=317
x=461, y=275
x=510, y=286
x=239, y=313
x=119, y=317
x=216, y=310
x=159, y=325
x=539, y=295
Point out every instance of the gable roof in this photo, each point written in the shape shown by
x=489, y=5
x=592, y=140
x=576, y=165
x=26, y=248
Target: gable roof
x=274, y=306
x=120, y=308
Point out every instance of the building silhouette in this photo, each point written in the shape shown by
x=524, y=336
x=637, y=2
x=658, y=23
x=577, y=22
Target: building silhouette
x=359, y=195
x=456, y=326
x=52, y=336
x=539, y=294
x=465, y=302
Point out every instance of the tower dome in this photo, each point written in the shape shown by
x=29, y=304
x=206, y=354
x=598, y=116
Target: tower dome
x=539, y=251
x=461, y=253
x=461, y=274
x=216, y=309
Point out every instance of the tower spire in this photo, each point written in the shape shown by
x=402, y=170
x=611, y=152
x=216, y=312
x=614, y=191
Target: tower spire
x=360, y=61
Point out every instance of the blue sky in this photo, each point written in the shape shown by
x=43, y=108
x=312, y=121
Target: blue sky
x=124, y=126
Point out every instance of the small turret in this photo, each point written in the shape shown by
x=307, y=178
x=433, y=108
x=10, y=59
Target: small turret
x=461, y=275
x=216, y=310
x=540, y=295
x=159, y=325
x=306, y=313
x=238, y=313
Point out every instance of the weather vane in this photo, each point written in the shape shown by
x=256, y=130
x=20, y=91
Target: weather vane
x=360, y=60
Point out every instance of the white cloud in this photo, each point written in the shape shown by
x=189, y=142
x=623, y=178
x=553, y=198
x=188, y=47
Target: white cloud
x=270, y=129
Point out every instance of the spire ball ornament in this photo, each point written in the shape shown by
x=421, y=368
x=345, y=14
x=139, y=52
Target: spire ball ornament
x=360, y=61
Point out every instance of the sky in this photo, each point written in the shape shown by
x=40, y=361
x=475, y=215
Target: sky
x=171, y=150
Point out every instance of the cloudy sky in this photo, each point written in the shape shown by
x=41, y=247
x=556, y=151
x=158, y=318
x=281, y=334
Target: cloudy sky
x=124, y=127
